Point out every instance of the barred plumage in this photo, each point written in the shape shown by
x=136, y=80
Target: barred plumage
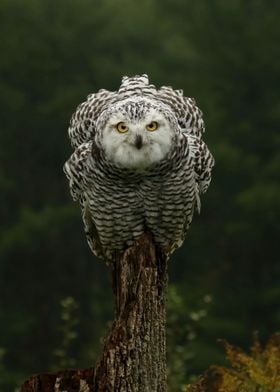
x=139, y=164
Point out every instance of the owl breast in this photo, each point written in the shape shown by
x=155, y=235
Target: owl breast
x=122, y=207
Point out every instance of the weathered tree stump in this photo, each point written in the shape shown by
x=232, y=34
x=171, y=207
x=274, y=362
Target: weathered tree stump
x=65, y=380
x=134, y=355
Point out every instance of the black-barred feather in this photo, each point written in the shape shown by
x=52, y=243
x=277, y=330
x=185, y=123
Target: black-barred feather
x=119, y=203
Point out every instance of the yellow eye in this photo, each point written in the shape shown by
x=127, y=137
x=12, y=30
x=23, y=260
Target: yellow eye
x=121, y=127
x=152, y=126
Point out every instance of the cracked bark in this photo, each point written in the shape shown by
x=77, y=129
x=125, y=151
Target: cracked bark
x=134, y=354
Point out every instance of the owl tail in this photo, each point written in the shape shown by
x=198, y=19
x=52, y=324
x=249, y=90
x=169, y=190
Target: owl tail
x=134, y=82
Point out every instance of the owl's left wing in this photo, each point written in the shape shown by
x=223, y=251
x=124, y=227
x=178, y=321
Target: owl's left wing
x=188, y=114
x=203, y=161
x=190, y=120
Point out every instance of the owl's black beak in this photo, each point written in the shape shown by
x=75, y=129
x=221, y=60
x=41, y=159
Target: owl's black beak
x=138, y=142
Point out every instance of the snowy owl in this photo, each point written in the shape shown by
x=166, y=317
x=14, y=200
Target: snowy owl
x=139, y=164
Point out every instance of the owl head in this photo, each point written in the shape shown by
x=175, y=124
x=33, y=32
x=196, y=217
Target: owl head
x=137, y=133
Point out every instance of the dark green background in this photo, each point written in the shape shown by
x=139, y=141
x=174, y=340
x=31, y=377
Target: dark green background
x=224, y=281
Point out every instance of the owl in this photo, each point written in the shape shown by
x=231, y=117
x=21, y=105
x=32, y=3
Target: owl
x=139, y=164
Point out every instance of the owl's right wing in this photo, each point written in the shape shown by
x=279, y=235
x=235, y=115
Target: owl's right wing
x=79, y=170
x=82, y=124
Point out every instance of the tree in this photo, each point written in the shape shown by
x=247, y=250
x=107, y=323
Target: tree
x=134, y=356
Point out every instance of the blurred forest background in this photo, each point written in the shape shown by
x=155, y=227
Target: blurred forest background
x=55, y=298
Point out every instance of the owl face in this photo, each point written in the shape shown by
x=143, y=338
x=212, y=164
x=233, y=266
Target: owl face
x=136, y=135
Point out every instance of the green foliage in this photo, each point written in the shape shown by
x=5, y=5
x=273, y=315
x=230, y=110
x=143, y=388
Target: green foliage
x=68, y=326
x=184, y=323
x=226, y=55
x=259, y=371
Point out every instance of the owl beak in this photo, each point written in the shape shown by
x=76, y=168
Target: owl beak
x=138, y=142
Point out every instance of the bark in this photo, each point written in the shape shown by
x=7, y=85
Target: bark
x=134, y=355
x=66, y=380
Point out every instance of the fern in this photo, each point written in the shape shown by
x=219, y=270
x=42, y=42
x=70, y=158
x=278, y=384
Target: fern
x=257, y=372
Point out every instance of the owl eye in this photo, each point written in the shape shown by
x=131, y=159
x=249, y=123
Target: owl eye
x=121, y=127
x=152, y=126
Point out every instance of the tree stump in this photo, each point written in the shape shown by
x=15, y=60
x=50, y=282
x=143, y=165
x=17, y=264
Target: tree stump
x=134, y=355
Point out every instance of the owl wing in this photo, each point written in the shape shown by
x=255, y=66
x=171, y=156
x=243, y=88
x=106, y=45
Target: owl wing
x=190, y=119
x=191, y=122
x=189, y=116
x=203, y=161
x=78, y=170
x=82, y=123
